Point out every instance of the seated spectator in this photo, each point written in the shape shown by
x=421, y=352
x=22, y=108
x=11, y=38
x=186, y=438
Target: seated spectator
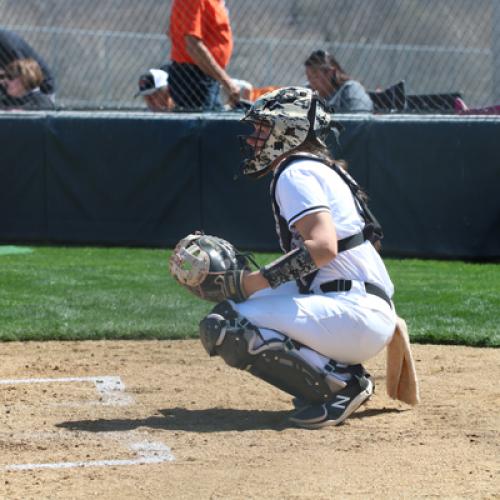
x=13, y=47
x=21, y=80
x=341, y=93
x=153, y=87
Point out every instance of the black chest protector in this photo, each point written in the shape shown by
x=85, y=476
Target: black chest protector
x=372, y=230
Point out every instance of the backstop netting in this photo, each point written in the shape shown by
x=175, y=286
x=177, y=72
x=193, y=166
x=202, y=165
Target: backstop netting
x=440, y=49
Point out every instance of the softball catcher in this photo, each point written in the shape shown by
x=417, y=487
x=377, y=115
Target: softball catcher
x=307, y=321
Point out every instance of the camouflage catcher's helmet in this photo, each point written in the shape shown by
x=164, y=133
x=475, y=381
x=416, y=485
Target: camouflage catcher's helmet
x=293, y=114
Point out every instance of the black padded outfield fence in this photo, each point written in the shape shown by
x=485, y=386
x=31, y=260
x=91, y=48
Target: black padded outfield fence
x=147, y=180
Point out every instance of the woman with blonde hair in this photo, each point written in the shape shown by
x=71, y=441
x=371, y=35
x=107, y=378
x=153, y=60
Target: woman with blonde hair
x=21, y=81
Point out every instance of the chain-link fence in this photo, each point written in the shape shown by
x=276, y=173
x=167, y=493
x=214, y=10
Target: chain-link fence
x=439, y=49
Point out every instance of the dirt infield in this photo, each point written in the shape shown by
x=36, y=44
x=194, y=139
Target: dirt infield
x=161, y=420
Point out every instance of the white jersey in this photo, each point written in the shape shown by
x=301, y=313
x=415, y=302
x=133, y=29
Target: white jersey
x=349, y=327
x=307, y=186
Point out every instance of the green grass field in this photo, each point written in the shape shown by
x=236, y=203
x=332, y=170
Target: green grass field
x=119, y=293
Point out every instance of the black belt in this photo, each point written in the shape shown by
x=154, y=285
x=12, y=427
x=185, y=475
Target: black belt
x=346, y=285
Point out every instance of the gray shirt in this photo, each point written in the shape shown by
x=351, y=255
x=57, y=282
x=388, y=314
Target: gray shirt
x=351, y=97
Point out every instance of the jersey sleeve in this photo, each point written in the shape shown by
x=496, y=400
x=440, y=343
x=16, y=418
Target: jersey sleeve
x=299, y=193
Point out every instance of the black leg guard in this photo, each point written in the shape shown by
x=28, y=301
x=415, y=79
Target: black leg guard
x=287, y=371
x=227, y=334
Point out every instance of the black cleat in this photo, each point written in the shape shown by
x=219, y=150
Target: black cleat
x=335, y=411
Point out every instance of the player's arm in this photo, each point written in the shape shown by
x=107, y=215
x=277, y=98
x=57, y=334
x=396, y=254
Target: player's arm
x=320, y=247
x=319, y=235
x=200, y=54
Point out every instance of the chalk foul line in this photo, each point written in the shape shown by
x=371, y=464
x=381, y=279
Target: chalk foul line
x=146, y=453
x=112, y=392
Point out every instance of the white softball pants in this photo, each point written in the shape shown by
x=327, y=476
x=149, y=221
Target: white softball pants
x=348, y=327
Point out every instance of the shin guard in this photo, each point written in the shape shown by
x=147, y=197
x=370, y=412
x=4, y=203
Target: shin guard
x=239, y=343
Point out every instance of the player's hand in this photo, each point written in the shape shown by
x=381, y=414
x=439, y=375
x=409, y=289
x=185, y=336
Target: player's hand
x=233, y=91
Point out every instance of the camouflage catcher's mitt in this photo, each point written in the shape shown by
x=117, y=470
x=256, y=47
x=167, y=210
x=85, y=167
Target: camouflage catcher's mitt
x=209, y=267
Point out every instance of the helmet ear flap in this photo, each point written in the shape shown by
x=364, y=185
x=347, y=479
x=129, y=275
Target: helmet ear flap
x=311, y=117
x=318, y=129
x=322, y=123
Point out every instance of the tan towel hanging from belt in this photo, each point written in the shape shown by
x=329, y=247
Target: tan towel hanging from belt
x=401, y=376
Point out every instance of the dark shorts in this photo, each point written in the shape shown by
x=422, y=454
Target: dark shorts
x=191, y=89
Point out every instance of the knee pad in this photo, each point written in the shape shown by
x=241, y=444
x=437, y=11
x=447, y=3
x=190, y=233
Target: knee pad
x=213, y=326
x=239, y=343
x=225, y=333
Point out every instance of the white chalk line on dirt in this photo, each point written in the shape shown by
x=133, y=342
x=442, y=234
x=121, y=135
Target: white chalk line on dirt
x=111, y=388
x=112, y=391
x=147, y=453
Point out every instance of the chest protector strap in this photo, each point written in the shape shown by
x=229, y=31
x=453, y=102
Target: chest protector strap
x=372, y=230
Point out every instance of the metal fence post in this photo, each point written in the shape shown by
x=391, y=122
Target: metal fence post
x=495, y=49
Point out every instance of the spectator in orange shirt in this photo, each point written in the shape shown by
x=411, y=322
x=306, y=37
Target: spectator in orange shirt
x=202, y=43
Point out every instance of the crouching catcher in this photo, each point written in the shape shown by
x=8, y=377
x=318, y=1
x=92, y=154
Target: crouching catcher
x=307, y=321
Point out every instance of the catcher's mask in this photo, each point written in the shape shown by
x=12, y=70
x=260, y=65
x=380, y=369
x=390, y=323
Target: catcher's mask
x=282, y=119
